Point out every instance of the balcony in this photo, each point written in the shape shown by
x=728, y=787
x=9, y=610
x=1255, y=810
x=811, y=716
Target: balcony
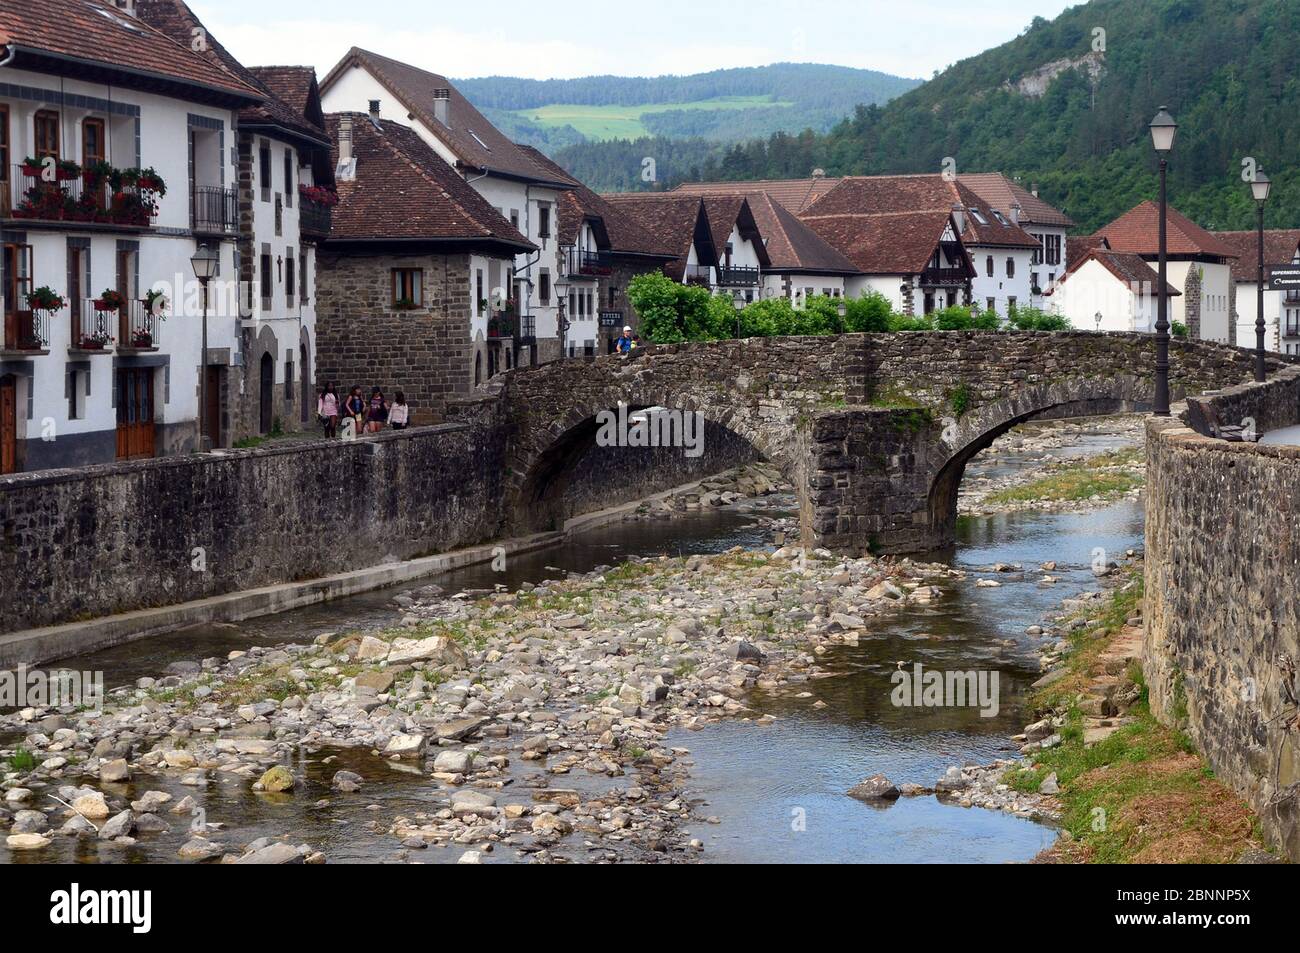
x=943, y=277
x=589, y=264
x=737, y=276
x=214, y=210
x=98, y=196
x=26, y=332
x=92, y=327
x=698, y=275
x=314, y=218
x=138, y=328
x=502, y=324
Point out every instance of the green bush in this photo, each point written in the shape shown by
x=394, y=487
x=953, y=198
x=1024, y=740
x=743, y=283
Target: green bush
x=1034, y=319
x=1178, y=329
x=869, y=313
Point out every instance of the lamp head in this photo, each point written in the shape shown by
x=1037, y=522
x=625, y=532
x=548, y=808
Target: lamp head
x=1260, y=186
x=1163, y=129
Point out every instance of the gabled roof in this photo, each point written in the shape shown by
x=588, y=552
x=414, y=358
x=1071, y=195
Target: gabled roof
x=403, y=191
x=1002, y=193
x=793, y=247
x=1130, y=269
x=105, y=44
x=476, y=142
x=726, y=212
x=178, y=21
x=1280, y=247
x=1077, y=246
x=921, y=193
x=793, y=194
x=675, y=221
x=579, y=204
x=883, y=243
x=1138, y=231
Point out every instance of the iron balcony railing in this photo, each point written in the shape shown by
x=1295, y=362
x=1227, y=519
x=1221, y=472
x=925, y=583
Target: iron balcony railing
x=26, y=330
x=738, y=275
x=93, y=328
x=85, y=197
x=944, y=276
x=583, y=262
x=138, y=327
x=214, y=210
x=314, y=218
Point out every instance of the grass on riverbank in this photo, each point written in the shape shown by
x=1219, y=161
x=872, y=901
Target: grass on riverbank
x=1105, y=475
x=1143, y=795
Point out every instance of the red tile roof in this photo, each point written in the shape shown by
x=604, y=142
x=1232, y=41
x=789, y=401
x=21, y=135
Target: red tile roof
x=794, y=194
x=1138, y=231
x=883, y=243
x=121, y=47
x=476, y=142
x=920, y=193
x=1001, y=192
x=178, y=21
x=403, y=190
x=727, y=212
x=791, y=245
x=1280, y=247
x=673, y=220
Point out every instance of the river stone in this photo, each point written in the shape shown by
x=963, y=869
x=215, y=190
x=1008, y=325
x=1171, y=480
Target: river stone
x=371, y=648
x=119, y=825
x=277, y=779
x=30, y=822
x=471, y=857
x=346, y=781
x=272, y=854
x=179, y=758
x=200, y=848
x=1049, y=785
x=743, y=651
x=378, y=680
x=437, y=648
x=551, y=824
x=151, y=824
x=875, y=788
x=460, y=728
x=26, y=841
x=471, y=801
x=92, y=805
x=115, y=770
x=78, y=825
x=453, y=762
x=405, y=746
x=884, y=590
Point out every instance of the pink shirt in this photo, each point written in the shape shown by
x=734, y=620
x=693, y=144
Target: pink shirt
x=328, y=406
x=398, y=414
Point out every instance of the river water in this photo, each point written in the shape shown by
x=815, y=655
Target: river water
x=775, y=792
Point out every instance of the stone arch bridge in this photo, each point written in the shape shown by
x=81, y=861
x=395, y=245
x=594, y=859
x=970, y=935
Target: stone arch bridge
x=873, y=430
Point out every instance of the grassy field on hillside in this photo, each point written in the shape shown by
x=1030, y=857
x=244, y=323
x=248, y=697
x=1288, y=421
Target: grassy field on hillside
x=624, y=122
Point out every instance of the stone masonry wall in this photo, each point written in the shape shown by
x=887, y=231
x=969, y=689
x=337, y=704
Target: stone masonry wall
x=361, y=339
x=108, y=539
x=1222, y=615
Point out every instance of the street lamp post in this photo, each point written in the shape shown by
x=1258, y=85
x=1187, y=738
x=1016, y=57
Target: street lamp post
x=1259, y=188
x=562, y=316
x=738, y=302
x=204, y=261
x=1163, y=129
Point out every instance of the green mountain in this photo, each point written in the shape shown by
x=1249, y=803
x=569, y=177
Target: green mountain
x=1066, y=104
x=722, y=106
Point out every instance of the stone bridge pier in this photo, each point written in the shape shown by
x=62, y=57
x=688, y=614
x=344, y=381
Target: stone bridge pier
x=874, y=431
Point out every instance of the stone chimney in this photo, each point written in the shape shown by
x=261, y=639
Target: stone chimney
x=1015, y=213
x=347, y=167
x=1033, y=189
x=442, y=106
x=959, y=216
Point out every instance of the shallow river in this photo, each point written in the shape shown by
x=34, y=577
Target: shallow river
x=777, y=792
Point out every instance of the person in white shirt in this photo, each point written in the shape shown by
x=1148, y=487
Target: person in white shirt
x=399, y=415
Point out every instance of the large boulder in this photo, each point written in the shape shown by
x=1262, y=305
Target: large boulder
x=875, y=788
x=437, y=649
x=277, y=780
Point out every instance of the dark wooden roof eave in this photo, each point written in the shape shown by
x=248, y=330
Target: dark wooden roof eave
x=435, y=244
x=45, y=61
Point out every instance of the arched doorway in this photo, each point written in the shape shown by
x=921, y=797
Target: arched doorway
x=266, y=394
x=478, y=368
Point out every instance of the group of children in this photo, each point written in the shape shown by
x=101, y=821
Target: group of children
x=358, y=415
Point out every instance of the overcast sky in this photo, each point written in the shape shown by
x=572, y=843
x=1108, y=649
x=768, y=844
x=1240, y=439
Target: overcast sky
x=625, y=37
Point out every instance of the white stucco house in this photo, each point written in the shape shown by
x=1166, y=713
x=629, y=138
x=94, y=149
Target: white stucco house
x=100, y=160
x=1106, y=290
x=523, y=192
x=1045, y=224
x=1198, y=264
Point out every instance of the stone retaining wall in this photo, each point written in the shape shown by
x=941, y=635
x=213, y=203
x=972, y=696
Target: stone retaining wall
x=108, y=539
x=1222, y=616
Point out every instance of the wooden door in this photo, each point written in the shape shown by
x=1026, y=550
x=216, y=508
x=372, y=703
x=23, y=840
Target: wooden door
x=8, y=424
x=46, y=127
x=126, y=288
x=135, y=426
x=212, y=412
x=266, y=393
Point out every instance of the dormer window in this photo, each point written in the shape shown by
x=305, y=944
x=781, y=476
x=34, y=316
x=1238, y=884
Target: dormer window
x=479, y=141
x=1000, y=217
x=978, y=216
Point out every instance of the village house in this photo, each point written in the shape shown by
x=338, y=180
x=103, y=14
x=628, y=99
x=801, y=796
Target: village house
x=800, y=263
x=279, y=204
x=1198, y=264
x=1045, y=224
x=498, y=169
x=1106, y=290
x=108, y=131
x=601, y=250
x=405, y=297
x=1281, y=308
